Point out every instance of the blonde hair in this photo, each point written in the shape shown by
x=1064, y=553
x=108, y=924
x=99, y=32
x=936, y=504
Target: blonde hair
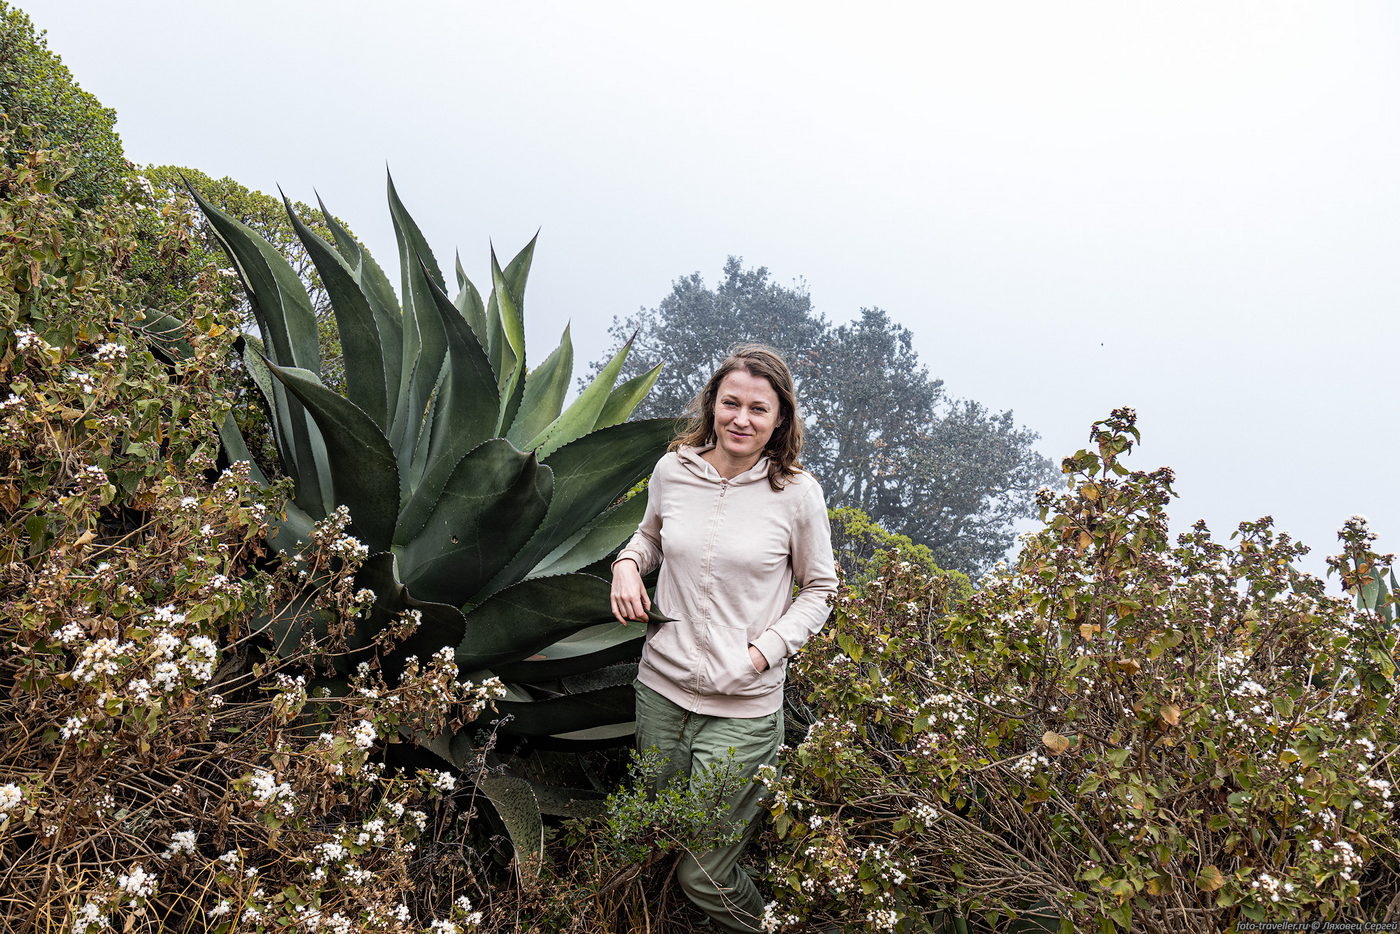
x=785, y=445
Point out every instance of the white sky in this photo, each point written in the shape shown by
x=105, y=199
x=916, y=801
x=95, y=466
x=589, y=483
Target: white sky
x=1192, y=208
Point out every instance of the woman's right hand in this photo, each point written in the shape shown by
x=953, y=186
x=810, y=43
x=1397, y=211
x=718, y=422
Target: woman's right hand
x=629, y=594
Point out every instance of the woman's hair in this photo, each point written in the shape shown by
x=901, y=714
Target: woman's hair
x=784, y=447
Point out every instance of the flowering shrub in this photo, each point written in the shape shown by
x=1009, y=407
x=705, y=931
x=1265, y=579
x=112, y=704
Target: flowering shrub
x=1118, y=733
x=159, y=768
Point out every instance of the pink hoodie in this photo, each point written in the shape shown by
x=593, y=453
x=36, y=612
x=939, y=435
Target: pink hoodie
x=729, y=552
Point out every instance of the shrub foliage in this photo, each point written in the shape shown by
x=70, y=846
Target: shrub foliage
x=159, y=769
x=1121, y=732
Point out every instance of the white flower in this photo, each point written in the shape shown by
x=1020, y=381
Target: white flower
x=363, y=734
x=442, y=781
x=70, y=633
x=221, y=909
x=11, y=796
x=72, y=726
x=138, y=883
x=110, y=351
x=89, y=918
x=181, y=841
x=264, y=786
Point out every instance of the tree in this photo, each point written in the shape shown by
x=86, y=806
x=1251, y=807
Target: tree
x=694, y=327
x=46, y=109
x=882, y=434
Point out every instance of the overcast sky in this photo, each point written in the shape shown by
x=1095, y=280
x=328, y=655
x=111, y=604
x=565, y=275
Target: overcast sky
x=1191, y=208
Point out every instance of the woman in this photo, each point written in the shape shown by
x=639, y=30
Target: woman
x=733, y=522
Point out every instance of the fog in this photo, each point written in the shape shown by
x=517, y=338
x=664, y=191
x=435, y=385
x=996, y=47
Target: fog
x=1191, y=208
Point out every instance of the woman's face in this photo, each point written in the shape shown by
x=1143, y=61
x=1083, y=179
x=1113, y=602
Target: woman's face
x=746, y=412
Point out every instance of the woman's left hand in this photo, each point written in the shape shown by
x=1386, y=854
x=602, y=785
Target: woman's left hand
x=760, y=663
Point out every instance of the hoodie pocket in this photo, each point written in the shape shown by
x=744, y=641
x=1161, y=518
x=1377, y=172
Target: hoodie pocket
x=730, y=670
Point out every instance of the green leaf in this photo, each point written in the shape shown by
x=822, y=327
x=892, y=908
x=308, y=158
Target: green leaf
x=236, y=449
x=453, y=540
x=508, y=336
x=442, y=625
x=463, y=413
x=586, y=650
x=522, y=620
x=288, y=325
x=589, y=475
x=623, y=400
x=545, y=389
x=355, y=321
x=582, y=414
x=597, y=540
x=277, y=296
x=569, y=713
x=424, y=340
x=518, y=270
x=292, y=532
x=469, y=303
x=164, y=332
x=375, y=286
x=514, y=801
x=364, y=473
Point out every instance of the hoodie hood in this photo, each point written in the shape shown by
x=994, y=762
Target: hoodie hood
x=690, y=457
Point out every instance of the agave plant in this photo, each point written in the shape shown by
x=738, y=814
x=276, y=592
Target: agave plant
x=486, y=504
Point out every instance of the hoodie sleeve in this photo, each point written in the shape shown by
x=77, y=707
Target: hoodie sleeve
x=814, y=572
x=644, y=547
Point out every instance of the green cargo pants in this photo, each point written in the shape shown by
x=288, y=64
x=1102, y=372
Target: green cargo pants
x=691, y=744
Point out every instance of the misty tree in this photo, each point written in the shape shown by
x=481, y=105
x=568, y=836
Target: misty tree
x=694, y=327
x=883, y=435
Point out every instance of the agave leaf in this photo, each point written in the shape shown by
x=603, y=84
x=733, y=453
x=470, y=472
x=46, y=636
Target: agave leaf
x=582, y=414
x=442, y=625
x=623, y=400
x=469, y=303
x=236, y=449
x=355, y=320
x=568, y=802
x=452, y=746
x=424, y=341
x=277, y=296
x=518, y=270
x=569, y=712
x=522, y=620
x=545, y=389
x=508, y=293
x=514, y=801
x=279, y=409
x=506, y=324
x=288, y=324
x=608, y=734
x=597, y=540
x=603, y=676
x=292, y=624
x=585, y=650
x=292, y=531
x=1370, y=594
x=589, y=475
x=380, y=295
x=486, y=510
x=364, y=472
x=463, y=413
x=166, y=333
